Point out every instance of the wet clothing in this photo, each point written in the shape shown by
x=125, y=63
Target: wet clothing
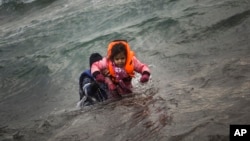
x=91, y=91
x=120, y=78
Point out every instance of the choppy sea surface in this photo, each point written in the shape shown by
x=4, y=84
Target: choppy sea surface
x=198, y=52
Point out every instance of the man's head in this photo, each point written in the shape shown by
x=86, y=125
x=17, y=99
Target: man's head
x=93, y=58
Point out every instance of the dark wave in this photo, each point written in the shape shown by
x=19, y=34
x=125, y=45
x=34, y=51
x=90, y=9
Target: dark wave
x=155, y=23
x=20, y=6
x=195, y=87
x=221, y=26
x=11, y=9
x=230, y=21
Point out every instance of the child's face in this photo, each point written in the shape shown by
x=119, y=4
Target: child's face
x=120, y=59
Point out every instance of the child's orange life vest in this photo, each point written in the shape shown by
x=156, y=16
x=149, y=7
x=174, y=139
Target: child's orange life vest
x=129, y=65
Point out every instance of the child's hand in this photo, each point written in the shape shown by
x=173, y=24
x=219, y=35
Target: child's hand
x=100, y=78
x=106, y=72
x=144, y=78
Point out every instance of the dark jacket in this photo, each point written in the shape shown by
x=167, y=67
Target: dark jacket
x=89, y=90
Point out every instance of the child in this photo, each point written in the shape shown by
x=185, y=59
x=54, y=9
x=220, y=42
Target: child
x=89, y=90
x=119, y=66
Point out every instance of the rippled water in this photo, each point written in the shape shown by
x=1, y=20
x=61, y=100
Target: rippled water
x=198, y=52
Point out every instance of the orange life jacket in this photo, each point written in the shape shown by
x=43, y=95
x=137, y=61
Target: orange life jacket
x=129, y=65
